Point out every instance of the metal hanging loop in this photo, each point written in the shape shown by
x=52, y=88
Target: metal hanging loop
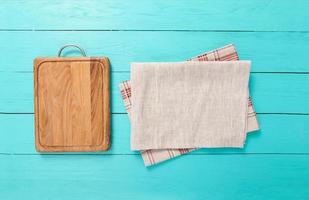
x=72, y=45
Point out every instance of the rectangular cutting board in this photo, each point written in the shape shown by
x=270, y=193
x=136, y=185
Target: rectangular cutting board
x=72, y=104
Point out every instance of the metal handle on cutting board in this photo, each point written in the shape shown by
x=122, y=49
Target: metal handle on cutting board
x=72, y=45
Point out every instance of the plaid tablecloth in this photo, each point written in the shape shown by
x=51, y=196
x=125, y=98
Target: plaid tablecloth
x=154, y=156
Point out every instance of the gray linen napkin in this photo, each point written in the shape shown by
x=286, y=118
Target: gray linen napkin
x=189, y=104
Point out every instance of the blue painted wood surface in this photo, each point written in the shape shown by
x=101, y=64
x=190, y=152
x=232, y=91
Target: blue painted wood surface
x=274, y=34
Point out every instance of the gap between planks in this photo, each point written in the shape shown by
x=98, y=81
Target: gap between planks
x=123, y=113
x=149, y=30
x=256, y=72
x=134, y=154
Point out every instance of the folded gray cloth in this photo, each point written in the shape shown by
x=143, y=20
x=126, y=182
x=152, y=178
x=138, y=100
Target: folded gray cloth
x=189, y=104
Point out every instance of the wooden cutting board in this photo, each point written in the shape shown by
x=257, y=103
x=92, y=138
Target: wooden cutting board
x=72, y=104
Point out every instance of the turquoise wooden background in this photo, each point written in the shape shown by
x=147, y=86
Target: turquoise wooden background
x=274, y=34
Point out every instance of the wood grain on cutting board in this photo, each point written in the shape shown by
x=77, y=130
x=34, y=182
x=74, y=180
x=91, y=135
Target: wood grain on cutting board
x=72, y=104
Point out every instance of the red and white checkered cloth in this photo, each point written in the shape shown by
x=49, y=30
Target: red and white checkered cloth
x=154, y=156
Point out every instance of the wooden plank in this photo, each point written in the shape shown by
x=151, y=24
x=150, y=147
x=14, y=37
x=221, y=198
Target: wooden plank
x=270, y=52
x=271, y=93
x=279, y=134
x=257, y=15
x=124, y=177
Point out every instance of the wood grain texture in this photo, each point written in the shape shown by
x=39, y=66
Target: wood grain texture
x=72, y=111
x=269, y=52
x=200, y=177
x=253, y=15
